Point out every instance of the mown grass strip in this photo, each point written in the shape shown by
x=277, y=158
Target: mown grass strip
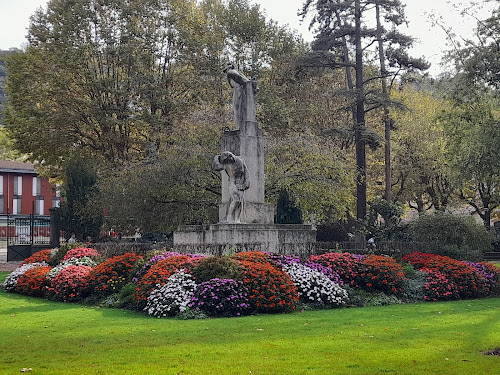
x=428, y=338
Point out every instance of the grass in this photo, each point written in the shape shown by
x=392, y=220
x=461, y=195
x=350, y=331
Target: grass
x=428, y=338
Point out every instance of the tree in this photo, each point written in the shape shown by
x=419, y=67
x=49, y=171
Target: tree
x=342, y=28
x=422, y=175
x=79, y=212
x=473, y=136
x=102, y=78
x=287, y=211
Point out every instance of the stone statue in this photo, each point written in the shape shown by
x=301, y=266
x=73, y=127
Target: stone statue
x=244, y=91
x=239, y=181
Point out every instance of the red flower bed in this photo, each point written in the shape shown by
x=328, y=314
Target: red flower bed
x=271, y=290
x=253, y=256
x=68, y=285
x=464, y=276
x=346, y=265
x=417, y=259
x=439, y=287
x=109, y=276
x=40, y=256
x=381, y=273
x=160, y=272
x=34, y=282
x=81, y=252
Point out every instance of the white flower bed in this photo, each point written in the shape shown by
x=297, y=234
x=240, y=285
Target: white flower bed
x=314, y=287
x=173, y=297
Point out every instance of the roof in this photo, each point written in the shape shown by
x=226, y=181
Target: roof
x=16, y=167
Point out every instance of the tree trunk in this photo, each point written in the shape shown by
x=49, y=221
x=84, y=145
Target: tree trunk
x=360, y=122
x=386, y=116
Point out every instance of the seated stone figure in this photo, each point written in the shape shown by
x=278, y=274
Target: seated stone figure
x=239, y=181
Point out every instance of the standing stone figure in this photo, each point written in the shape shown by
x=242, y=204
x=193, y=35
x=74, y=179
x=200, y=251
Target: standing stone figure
x=239, y=181
x=244, y=91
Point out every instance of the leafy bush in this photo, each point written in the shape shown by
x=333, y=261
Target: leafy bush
x=81, y=252
x=382, y=273
x=143, y=267
x=84, y=261
x=109, y=276
x=221, y=297
x=173, y=297
x=63, y=249
x=346, y=265
x=418, y=259
x=413, y=286
x=439, y=287
x=314, y=287
x=217, y=267
x=456, y=234
x=253, y=256
x=271, y=290
x=10, y=281
x=361, y=297
x=160, y=272
x=332, y=232
x=465, y=277
x=69, y=283
x=491, y=277
x=33, y=282
x=40, y=256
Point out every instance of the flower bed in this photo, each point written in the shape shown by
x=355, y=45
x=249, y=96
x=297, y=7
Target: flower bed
x=40, y=256
x=170, y=284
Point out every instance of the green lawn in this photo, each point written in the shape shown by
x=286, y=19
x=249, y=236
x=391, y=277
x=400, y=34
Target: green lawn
x=427, y=338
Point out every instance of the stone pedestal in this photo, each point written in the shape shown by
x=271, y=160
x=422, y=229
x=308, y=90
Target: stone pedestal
x=223, y=239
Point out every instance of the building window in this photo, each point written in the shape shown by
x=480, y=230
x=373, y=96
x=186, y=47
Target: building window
x=1, y=185
x=16, y=205
x=56, y=202
x=18, y=185
x=37, y=186
x=2, y=204
x=39, y=206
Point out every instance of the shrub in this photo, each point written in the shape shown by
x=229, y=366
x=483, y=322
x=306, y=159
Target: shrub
x=464, y=276
x=253, y=256
x=10, y=281
x=382, y=273
x=490, y=275
x=221, y=297
x=418, y=259
x=68, y=284
x=173, y=297
x=314, y=287
x=81, y=252
x=332, y=232
x=346, y=265
x=63, y=249
x=160, y=272
x=413, y=286
x=155, y=258
x=271, y=290
x=217, y=267
x=84, y=261
x=439, y=287
x=40, y=256
x=457, y=234
x=33, y=282
x=109, y=276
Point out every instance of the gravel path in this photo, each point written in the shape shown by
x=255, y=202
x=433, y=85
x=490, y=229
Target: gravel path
x=9, y=266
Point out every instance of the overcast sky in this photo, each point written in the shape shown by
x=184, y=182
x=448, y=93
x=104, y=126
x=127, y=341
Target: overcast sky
x=14, y=20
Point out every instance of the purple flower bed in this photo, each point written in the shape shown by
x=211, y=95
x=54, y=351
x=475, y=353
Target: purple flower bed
x=221, y=297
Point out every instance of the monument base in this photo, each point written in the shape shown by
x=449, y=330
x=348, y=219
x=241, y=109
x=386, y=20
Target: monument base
x=223, y=239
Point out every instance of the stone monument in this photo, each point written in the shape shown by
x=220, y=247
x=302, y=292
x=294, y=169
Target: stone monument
x=245, y=220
